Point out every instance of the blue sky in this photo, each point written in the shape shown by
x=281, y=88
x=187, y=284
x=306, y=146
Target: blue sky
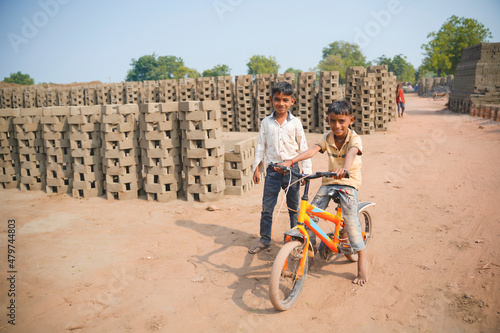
x=64, y=41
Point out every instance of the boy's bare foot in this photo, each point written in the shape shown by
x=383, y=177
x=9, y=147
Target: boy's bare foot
x=361, y=279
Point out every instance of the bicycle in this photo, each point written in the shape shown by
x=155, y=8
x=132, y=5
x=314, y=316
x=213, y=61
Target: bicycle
x=290, y=266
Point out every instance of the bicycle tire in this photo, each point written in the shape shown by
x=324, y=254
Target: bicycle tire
x=365, y=222
x=284, y=290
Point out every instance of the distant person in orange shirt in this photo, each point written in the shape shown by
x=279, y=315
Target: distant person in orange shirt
x=400, y=100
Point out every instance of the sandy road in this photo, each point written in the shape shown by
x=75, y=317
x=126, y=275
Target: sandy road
x=135, y=266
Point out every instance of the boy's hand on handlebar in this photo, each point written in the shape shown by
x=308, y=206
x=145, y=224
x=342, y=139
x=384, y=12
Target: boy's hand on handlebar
x=286, y=163
x=341, y=173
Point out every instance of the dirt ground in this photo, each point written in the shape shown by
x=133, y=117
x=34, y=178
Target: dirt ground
x=92, y=265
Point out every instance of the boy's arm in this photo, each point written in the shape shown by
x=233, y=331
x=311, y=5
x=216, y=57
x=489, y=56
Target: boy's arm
x=304, y=156
x=301, y=140
x=259, y=154
x=349, y=158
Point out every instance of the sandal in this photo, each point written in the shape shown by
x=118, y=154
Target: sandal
x=256, y=248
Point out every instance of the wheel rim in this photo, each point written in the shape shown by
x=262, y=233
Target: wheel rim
x=288, y=280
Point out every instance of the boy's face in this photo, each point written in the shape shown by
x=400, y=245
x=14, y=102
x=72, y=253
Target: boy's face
x=339, y=124
x=282, y=103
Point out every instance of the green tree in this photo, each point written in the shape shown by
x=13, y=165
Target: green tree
x=339, y=55
x=399, y=66
x=219, y=70
x=151, y=67
x=260, y=64
x=19, y=78
x=444, y=51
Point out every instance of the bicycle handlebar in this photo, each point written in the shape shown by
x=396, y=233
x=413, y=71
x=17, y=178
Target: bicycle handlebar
x=311, y=176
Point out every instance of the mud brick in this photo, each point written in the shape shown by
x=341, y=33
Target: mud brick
x=199, y=170
x=155, y=136
x=212, y=161
x=163, y=197
x=114, y=136
x=160, y=162
x=204, y=197
x=118, y=195
x=196, y=153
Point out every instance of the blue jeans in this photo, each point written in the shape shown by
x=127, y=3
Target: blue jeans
x=275, y=181
x=401, y=106
x=349, y=204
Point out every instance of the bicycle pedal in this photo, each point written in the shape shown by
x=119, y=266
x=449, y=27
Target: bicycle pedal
x=346, y=249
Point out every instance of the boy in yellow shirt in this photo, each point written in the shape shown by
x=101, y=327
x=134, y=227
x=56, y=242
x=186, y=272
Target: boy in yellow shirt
x=344, y=150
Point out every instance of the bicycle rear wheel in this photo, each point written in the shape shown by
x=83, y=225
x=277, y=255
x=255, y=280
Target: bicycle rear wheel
x=365, y=221
x=284, y=288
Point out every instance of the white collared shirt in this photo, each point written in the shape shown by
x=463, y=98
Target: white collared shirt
x=282, y=142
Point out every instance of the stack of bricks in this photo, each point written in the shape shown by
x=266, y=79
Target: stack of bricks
x=238, y=165
x=131, y=92
x=63, y=97
x=167, y=91
x=9, y=153
x=391, y=90
x=89, y=95
x=263, y=105
x=101, y=94
x=29, y=97
x=77, y=99
x=85, y=144
x=147, y=92
x=381, y=96
x=365, y=101
x=160, y=150
x=225, y=97
x=206, y=89
x=6, y=98
x=58, y=165
x=120, y=151
x=476, y=78
x=17, y=98
x=115, y=94
x=286, y=77
x=306, y=100
x=28, y=134
x=187, y=90
x=202, y=150
x=244, y=103
x=50, y=97
x=328, y=93
x=353, y=75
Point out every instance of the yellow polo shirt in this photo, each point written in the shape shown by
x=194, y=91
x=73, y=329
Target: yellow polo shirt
x=336, y=158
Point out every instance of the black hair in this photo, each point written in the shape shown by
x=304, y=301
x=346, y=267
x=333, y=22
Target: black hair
x=342, y=107
x=283, y=87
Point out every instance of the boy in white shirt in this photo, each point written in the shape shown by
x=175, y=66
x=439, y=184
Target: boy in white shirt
x=281, y=137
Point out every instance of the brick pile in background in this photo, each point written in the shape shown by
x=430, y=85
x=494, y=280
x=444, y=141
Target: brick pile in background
x=202, y=150
x=28, y=134
x=120, y=151
x=84, y=125
x=225, y=96
x=327, y=94
x=9, y=150
x=59, y=166
x=244, y=104
x=476, y=83
x=160, y=150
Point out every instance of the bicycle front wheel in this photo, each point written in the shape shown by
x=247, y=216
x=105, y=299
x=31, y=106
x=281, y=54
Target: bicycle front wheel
x=284, y=284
